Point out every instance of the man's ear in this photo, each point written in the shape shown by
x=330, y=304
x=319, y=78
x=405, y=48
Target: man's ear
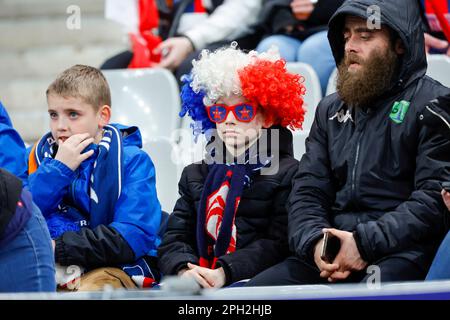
x=399, y=47
x=104, y=114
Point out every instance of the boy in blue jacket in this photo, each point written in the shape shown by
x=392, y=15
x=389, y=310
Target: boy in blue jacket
x=13, y=155
x=95, y=186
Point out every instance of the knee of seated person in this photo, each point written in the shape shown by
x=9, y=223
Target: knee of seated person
x=314, y=46
x=283, y=43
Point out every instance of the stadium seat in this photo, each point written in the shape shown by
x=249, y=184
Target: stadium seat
x=312, y=99
x=299, y=139
x=163, y=225
x=313, y=91
x=147, y=98
x=331, y=87
x=439, y=68
x=163, y=152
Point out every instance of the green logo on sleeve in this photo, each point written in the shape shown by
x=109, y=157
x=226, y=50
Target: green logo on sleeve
x=399, y=110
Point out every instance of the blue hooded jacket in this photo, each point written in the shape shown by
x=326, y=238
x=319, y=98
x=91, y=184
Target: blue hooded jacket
x=12, y=160
x=13, y=148
x=136, y=217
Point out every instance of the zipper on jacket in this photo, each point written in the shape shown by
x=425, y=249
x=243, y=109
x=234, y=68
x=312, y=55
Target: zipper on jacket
x=354, y=167
x=361, y=128
x=72, y=185
x=439, y=116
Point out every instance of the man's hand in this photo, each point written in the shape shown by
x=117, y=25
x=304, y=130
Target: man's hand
x=69, y=151
x=207, y=278
x=326, y=269
x=432, y=42
x=348, y=258
x=302, y=9
x=446, y=198
x=174, y=51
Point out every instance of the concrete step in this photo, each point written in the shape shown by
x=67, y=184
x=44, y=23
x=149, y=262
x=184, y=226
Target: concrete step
x=47, y=61
x=21, y=34
x=25, y=95
x=30, y=125
x=30, y=8
x=25, y=101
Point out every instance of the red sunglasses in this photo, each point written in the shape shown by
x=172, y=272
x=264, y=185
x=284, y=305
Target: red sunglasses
x=243, y=112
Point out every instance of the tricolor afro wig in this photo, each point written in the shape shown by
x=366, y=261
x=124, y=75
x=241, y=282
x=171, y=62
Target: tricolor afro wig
x=261, y=78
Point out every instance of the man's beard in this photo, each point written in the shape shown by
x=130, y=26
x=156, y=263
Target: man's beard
x=373, y=78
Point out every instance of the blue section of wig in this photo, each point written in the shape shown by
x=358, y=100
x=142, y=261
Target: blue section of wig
x=192, y=104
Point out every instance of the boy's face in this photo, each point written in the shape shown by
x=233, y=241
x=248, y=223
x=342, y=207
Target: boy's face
x=235, y=133
x=69, y=116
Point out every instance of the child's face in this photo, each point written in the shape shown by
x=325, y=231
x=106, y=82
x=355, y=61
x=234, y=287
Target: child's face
x=69, y=116
x=234, y=132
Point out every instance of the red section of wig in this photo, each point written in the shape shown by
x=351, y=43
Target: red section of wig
x=278, y=92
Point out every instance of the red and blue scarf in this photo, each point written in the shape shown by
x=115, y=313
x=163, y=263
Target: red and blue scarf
x=219, y=202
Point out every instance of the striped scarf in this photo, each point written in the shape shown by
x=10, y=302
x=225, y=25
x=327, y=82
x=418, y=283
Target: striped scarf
x=219, y=202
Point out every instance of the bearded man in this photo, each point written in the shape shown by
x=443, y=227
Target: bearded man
x=375, y=158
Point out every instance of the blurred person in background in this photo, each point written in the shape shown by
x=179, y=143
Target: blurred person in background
x=195, y=25
x=299, y=29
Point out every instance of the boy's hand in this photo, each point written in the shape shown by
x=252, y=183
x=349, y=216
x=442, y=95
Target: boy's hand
x=207, y=278
x=69, y=151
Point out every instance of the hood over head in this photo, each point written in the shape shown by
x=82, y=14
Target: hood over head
x=402, y=16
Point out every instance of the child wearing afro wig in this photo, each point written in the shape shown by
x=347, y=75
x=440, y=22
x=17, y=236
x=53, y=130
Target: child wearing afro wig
x=230, y=222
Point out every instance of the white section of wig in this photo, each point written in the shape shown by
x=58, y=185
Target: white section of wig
x=216, y=73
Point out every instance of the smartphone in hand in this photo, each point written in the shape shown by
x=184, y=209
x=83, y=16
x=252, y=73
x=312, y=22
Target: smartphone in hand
x=330, y=247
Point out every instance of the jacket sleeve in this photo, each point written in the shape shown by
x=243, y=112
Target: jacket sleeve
x=422, y=218
x=49, y=184
x=179, y=246
x=13, y=156
x=93, y=248
x=138, y=211
x=132, y=234
x=324, y=10
x=313, y=191
x=230, y=20
x=276, y=15
x=271, y=248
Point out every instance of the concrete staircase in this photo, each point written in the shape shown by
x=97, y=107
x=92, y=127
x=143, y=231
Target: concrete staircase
x=36, y=45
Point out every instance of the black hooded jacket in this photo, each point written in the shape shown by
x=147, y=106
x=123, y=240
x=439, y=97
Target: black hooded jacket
x=261, y=220
x=367, y=172
x=276, y=16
